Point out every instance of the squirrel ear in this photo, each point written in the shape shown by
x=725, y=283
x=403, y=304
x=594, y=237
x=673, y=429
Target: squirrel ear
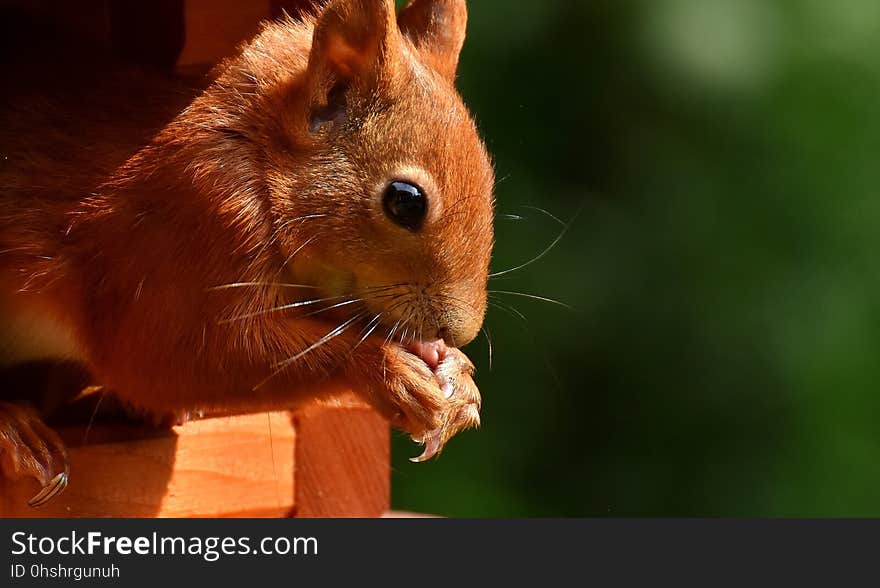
x=353, y=39
x=437, y=28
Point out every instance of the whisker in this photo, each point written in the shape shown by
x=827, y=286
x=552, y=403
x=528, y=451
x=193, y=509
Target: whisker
x=260, y=285
x=94, y=414
x=454, y=344
x=533, y=297
x=281, y=366
x=289, y=222
x=391, y=333
x=558, y=220
x=509, y=309
x=546, y=251
x=296, y=251
x=323, y=340
x=502, y=179
x=489, y=344
x=284, y=307
x=335, y=306
x=348, y=298
x=369, y=331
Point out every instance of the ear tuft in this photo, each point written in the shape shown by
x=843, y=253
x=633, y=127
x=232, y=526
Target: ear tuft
x=437, y=28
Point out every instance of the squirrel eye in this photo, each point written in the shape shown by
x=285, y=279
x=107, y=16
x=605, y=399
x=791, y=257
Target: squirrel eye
x=405, y=204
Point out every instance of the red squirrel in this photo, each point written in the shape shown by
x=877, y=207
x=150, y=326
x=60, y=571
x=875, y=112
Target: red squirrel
x=320, y=214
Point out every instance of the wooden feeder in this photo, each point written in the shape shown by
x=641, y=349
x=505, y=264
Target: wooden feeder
x=331, y=461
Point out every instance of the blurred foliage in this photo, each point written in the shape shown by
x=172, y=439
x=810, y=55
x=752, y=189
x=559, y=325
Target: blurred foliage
x=724, y=351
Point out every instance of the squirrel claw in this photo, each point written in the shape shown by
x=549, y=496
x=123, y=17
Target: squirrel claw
x=462, y=409
x=432, y=448
x=30, y=449
x=50, y=491
x=460, y=418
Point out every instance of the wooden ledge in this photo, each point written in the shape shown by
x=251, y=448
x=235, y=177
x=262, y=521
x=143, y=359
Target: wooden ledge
x=325, y=462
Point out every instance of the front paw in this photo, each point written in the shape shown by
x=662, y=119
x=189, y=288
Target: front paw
x=461, y=409
x=28, y=448
x=432, y=396
x=409, y=393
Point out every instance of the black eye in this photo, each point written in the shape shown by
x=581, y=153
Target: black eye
x=405, y=204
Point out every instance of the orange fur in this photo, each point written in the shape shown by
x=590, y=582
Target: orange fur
x=127, y=201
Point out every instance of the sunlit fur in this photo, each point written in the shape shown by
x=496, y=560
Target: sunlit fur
x=163, y=231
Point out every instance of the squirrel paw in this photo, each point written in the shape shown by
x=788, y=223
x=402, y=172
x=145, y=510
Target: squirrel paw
x=461, y=409
x=413, y=400
x=428, y=391
x=29, y=448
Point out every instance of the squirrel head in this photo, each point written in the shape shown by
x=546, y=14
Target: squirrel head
x=379, y=186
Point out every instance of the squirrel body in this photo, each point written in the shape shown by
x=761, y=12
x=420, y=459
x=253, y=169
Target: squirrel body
x=320, y=214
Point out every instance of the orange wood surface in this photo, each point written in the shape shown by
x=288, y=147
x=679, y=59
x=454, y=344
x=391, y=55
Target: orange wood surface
x=342, y=463
x=215, y=27
x=333, y=463
x=217, y=467
x=198, y=32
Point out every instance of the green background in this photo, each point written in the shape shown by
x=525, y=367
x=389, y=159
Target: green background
x=723, y=354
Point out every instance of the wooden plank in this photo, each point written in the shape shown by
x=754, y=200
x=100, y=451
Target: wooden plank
x=294, y=7
x=215, y=27
x=148, y=33
x=330, y=461
x=194, y=34
x=224, y=467
x=342, y=464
